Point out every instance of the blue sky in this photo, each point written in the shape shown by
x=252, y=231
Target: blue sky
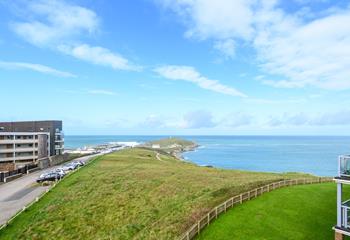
x=178, y=67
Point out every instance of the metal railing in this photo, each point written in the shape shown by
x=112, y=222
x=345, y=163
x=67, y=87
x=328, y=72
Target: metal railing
x=345, y=215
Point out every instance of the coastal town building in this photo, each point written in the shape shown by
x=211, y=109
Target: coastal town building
x=27, y=142
x=342, y=228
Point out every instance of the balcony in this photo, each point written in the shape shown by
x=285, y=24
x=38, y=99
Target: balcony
x=18, y=158
x=344, y=166
x=345, y=214
x=12, y=141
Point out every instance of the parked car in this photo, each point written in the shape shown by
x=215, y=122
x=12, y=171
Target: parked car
x=51, y=176
x=68, y=167
x=60, y=171
x=79, y=163
x=75, y=165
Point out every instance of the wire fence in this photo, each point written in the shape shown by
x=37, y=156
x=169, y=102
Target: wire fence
x=196, y=228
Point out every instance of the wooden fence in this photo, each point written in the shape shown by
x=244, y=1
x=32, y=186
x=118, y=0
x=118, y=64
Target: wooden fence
x=195, y=229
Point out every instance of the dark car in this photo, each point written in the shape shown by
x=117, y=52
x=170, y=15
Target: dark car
x=51, y=176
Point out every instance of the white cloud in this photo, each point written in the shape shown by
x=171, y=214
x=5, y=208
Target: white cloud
x=197, y=119
x=59, y=26
x=339, y=118
x=99, y=56
x=35, y=67
x=299, y=51
x=152, y=121
x=58, y=21
x=189, y=74
x=237, y=119
x=226, y=47
x=101, y=92
x=219, y=19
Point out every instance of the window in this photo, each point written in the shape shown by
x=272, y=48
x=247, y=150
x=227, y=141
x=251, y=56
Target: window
x=2, y=128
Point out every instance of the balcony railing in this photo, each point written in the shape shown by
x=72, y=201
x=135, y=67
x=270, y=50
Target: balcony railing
x=344, y=166
x=345, y=214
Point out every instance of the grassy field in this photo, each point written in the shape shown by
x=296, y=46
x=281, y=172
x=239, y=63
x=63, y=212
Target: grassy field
x=132, y=194
x=298, y=212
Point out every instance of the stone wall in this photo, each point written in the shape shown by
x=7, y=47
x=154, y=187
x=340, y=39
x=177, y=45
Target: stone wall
x=4, y=167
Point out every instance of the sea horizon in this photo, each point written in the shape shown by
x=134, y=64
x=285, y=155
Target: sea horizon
x=315, y=155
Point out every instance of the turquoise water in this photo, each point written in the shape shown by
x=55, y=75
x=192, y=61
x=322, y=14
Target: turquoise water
x=316, y=155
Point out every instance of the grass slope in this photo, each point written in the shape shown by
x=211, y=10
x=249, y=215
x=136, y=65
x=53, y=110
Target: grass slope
x=131, y=194
x=298, y=212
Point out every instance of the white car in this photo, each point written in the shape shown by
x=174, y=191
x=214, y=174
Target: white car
x=60, y=171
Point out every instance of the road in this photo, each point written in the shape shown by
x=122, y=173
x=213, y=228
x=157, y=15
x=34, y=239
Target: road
x=18, y=193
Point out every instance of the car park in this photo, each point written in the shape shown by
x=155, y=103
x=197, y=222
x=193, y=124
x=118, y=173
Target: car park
x=60, y=172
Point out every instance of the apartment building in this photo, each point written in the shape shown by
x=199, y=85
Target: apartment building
x=27, y=142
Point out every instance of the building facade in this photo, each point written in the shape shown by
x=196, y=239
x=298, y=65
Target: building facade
x=342, y=228
x=27, y=142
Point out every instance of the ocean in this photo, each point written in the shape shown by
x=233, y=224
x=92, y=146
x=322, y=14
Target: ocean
x=309, y=154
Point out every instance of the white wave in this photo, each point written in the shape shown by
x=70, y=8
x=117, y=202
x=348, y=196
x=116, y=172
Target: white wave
x=126, y=144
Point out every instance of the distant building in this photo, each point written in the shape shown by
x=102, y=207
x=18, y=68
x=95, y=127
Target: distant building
x=342, y=228
x=28, y=142
x=156, y=146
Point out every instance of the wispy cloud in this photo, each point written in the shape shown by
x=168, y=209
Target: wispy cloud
x=190, y=74
x=60, y=25
x=99, y=56
x=55, y=21
x=90, y=91
x=101, y=92
x=198, y=119
x=339, y=118
x=35, y=67
x=297, y=50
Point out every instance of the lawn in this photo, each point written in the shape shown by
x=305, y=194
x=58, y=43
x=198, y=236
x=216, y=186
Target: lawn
x=132, y=194
x=298, y=212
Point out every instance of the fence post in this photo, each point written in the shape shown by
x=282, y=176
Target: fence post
x=249, y=195
x=198, y=227
x=225, y=206
x=256, y=192
x=216, y=212
x=208, y=218
x=240, y=198
x=188, y=236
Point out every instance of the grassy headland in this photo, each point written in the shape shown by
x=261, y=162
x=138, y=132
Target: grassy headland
x=172, y=145
x=132, y=194
x=298, y=212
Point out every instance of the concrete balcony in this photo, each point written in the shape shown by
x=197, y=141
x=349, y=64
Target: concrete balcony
x=11, y=141
x=6, y=150
x=10, y=150
x=19, y=158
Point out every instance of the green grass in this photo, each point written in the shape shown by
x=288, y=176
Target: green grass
x=132, y=195
x=298, y=212
x=172, y=144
